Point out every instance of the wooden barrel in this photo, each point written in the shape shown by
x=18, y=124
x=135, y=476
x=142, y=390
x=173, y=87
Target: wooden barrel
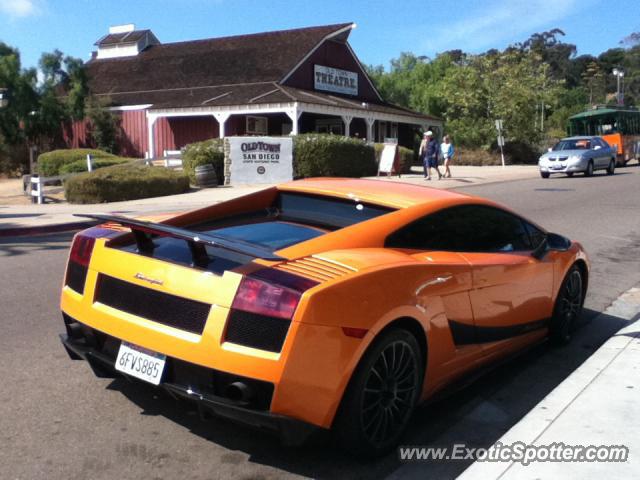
x=206, y=176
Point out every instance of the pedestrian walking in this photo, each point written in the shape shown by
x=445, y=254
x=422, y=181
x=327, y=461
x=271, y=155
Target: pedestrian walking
x=429, y=154
x=447, y=151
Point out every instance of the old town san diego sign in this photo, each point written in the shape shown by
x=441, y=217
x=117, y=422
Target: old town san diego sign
x=260, y=159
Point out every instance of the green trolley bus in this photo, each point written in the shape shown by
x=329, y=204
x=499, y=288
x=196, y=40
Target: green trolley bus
x=619, y=126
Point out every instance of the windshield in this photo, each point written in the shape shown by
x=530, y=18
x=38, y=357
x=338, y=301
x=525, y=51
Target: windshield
x=575, y=144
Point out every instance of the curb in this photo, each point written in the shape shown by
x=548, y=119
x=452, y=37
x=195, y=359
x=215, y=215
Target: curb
x=44, y=229
x=534, y=424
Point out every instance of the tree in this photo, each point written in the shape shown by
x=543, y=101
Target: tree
x=104, y=125
x=551, y=50
x=20, y=85
x=595, y=82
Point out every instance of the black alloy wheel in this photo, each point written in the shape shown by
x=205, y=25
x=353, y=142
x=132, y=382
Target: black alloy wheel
x=544, y=174
x=612, y=167
x=589, y=171
x=568, y=307
x=381, y=396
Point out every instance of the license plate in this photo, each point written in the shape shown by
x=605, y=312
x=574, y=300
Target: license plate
x=557, y=167
x=140, y=363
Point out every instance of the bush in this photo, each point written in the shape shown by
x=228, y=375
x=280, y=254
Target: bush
x=14, y=159
x=406, y=157
x=520, y=152
x=203, y=153
x=323, y=155
x=477, y=157
x=80, y=166
x=124, y=182
x=50, y=163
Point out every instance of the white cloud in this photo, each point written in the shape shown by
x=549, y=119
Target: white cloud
x=19, y=8
x=500, y=22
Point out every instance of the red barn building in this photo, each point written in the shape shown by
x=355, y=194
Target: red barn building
x=274, y=83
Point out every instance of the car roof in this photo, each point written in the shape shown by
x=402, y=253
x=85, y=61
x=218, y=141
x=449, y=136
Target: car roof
x=581, y=137
x=379, y=192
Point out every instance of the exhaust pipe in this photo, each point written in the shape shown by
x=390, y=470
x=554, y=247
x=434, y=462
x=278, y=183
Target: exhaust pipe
x=239, y=392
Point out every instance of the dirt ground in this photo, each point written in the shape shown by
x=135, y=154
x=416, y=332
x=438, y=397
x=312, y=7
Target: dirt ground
x=11, y=193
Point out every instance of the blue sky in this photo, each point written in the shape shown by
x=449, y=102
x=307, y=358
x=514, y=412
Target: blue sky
x=385, y=28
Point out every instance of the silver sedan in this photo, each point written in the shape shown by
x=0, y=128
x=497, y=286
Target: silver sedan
x=578, y=154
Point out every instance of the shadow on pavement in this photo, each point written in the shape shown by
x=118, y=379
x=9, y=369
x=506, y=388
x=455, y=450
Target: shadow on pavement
x=19, y=215
x=476, y=415
x=24, y=245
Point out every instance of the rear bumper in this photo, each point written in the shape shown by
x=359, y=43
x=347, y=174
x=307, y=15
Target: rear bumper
x=101, y=360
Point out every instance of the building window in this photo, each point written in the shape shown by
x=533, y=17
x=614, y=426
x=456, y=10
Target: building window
x=330, y=125
x=257, y=125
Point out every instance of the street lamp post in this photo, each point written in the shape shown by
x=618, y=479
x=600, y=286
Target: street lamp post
x=619, y=74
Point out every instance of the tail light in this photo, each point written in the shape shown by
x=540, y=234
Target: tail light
x=263, y=307
x=81, y=249
x=257, y=296
x=80, y=256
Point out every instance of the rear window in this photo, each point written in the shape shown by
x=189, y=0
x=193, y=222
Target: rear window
x=326, y=211
x=274, y=235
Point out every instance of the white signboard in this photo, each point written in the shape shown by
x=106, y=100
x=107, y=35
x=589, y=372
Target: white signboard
x=387, y=158
x=335, y=80
x=261, y=159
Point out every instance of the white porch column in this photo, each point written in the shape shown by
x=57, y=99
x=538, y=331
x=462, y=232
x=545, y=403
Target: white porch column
x=222, y=118
x=370, y=121
x=347, y=124
x=151, y=147
x=294, y=114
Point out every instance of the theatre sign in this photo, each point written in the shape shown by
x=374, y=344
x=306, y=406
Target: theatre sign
x=335, y=80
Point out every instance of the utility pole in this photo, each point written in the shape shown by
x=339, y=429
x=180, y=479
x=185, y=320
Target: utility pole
x=500, y=139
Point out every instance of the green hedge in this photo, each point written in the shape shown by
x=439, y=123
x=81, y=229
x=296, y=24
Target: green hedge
x=51, y=163
x=203, y=153
x=124, y=182
x=406, y=157
x=324, y=155
x=80, y=166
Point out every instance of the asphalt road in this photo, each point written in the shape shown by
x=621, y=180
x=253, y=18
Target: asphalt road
x=57, y=421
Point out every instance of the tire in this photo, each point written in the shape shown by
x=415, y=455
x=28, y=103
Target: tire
x=589, y=171
x=544, y=174
x=381, y=396
x=612, y=167
x=568, y=307
x=569, y=174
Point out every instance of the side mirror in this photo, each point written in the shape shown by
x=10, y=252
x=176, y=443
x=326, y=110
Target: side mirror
x=542, y=249
x=558, y=242
x=552, y=241
x=597, y=147
x=549, y=149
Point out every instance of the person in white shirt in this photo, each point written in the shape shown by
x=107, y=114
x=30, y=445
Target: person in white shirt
x=447, y=151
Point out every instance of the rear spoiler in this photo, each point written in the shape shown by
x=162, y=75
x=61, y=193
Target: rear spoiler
x=143, y=230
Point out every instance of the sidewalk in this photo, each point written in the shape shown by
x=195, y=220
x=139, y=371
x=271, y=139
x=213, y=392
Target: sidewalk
x=598, y=404
x=16, y=211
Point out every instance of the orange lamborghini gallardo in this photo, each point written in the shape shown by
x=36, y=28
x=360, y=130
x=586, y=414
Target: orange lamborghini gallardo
x=318, y=304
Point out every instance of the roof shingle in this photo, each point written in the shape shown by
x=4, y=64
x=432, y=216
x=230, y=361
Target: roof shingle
x=261, y=57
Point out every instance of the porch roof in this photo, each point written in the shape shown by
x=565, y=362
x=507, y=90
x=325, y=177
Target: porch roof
x=252, y=96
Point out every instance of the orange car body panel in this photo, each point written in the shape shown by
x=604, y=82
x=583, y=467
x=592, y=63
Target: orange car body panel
x=360, y=285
